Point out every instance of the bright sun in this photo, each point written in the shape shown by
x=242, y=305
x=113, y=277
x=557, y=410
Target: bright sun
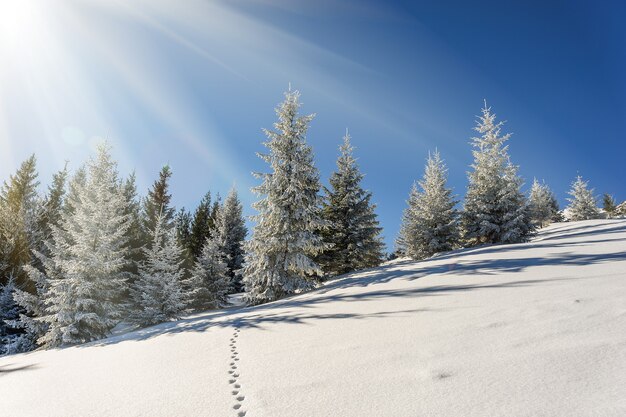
x=20, y=22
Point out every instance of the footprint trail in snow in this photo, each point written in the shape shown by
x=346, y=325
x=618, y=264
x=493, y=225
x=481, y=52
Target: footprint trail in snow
x=234, y=375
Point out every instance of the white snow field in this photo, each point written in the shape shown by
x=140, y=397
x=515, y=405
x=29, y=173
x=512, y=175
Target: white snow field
x=535, y=329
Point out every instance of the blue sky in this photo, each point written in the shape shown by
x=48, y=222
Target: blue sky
x=193, y=86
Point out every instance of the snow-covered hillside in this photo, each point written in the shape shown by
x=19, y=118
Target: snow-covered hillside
x=535, y=329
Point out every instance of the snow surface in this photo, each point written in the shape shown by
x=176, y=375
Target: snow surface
x=536, y=329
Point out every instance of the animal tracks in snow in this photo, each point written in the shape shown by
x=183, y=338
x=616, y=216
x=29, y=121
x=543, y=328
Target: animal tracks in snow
x=234, y=375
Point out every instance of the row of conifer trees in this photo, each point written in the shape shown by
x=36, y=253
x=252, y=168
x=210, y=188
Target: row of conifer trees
x=90, y=253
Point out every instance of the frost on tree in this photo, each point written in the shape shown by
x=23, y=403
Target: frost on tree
x=21, y=208
x=159, y=292
x=9, y=313
x=351, y=232
x=231, y=233
x=429, y=224
x=279, y=256
x=88, y=254
x=495, y=209
x=541, y=204
x=209, y=282
x=583, y=204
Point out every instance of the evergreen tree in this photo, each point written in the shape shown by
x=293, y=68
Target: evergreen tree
x=134, y=234
x=52, y=204
x=157, y=203
x=583, y=205
x=555, y=210
x=608, y=203
x=495, y=209
x=430, y=221
x=89, y=252
x=278, y=259
x=202, y=224
x=209, y=281
x=32, y=305
x=408, y=227
x=159, y=291
x=183, y=227
x=231, y=233
x=18, y=222
x=540, y=204
x=352, y=232
x=620, y=210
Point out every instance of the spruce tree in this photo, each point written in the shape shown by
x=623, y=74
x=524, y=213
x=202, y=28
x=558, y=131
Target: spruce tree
x=608, y=204
x=134, y=234
x=202, y=225
x=159, y=291
x=89, y=252
x=352, y=232
x=18, y=223
x=430, y=221
x=583, y=205
x=408, y=228
x=540, y=204
x=555, y=210
x=231, y=233
x=279, y=256
x=33, y=303
x=209, y=281
x=52, y=204
x=495, y=209
x=158, y=203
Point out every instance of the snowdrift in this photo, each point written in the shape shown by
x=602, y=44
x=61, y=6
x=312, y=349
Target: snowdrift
x=535, y=329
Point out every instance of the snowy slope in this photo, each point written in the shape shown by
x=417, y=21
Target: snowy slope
x=535, y=329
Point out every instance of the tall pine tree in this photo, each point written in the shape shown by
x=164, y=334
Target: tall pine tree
x=279, y=256
x=430, y=223
x=202, y=224
x=158, y=203
x=540, y=204
x=19, y=222
x=209, y=280
x=495, y=209
x=231, y=233
x=159, y=292
x=89, y=252
x=352, y=232
x=583, y=204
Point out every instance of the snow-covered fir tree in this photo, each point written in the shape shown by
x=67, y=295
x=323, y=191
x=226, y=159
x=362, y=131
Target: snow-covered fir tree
x=583, y=204
x=540, y=204
x=158, y=203
x=159, y=291
x=134, y=234
x=88, y=255
x=352, y=232
x=33, y=303
x=231, y=233
x=407, y=229
x=210, y=283
x=279, y=256
x=203, y=224
x=19, y=222
x=430, y=222
x=620, y=209
x=495, y=209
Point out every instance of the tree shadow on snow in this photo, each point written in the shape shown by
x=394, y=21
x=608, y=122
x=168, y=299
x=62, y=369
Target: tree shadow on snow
x=5, y=369
x=299, y=309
